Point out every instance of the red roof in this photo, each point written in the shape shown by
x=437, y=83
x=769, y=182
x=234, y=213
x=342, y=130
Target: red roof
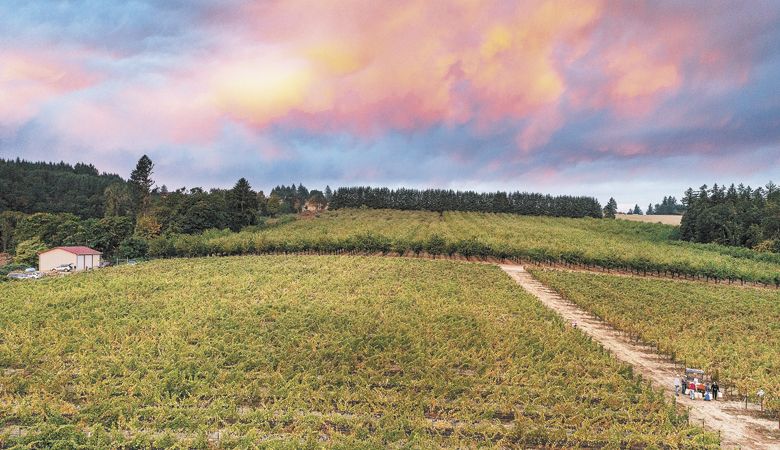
x=78, y=250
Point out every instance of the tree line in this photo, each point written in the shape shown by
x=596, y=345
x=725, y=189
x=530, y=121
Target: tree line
x=44, y=205
x=736, y=216
x=31, y=187
x=668, y=206
x=440, y=200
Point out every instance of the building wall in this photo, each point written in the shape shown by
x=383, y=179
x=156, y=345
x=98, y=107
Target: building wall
x=87, y=262
x=54, y=258
x=58, y=257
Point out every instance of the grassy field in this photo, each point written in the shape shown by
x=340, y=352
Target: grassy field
x=607, y=243
x=311, y=351
x=729, y=331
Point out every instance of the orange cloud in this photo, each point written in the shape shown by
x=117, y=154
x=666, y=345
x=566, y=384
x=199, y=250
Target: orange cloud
x=404, y=64
x=637, y=74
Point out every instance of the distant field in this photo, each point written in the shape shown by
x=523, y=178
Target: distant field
x=664, y=219
x=730, y=331
x=616, y=244
x=310, y=351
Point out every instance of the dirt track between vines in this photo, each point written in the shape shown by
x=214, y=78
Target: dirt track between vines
x=738, y=427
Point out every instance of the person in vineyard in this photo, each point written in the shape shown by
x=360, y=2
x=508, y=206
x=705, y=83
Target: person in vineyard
x=677, y=387
x=684, y=385
x=692, y=389
x=715, y=389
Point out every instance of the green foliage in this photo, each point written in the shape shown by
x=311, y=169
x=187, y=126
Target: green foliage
x=242, y=205
x=119, y=200
x=522, y=203
x=729, y=331
x=31, y=187
x=8, y=268
x=606, y=243
x=610, y=209
x=737, y=216
x=349, y=352
x=133, y=247
x=141, y=183
x=8, y=223
x=668, y=206
x=317, y=199
x=27, y=251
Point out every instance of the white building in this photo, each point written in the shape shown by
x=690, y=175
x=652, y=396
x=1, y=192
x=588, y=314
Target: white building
x=81, y=257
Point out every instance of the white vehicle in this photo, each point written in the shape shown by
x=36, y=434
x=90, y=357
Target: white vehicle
x=30, y=270
x=64, y=268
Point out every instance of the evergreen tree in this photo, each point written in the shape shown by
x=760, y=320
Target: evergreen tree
x=328, y=194
x=140, y=179
x=317, y=199
x=737, y=215
x=637, y=210
x=242, y=205
x=650, y=210
x=449, y=200
x=118, y=200
x=610, y=209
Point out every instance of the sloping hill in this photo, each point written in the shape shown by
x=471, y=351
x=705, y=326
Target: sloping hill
x=311, y=351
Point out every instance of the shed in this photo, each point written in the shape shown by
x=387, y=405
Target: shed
x=81, y=257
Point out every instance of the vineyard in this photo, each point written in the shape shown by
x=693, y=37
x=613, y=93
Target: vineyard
x=731, y=332
x=611, y=244
x=308, y=351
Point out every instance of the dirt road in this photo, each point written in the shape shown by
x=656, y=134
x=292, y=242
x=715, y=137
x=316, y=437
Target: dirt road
x=739, y=427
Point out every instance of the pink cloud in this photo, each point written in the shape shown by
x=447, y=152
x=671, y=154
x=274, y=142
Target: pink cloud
x=30, y=79
x=369, y=67
x=404, y=65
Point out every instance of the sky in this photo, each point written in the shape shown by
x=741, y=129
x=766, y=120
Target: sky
x=631, y=99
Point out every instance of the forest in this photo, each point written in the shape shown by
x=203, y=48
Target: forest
x=734, y=216
x=523, y=203
x=43, y=205
x=30, y=187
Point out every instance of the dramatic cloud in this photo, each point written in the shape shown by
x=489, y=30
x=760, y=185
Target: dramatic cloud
x=635, y=99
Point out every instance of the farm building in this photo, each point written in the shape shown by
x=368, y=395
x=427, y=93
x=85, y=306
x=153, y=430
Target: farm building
x=81, y=257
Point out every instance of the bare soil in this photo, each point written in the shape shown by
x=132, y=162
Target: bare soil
x=737, y=426
x=664, y=219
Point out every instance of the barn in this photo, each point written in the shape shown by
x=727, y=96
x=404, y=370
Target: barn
x=81, y=257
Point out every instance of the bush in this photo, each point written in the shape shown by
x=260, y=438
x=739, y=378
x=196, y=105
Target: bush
x=161, y=247
x=27, y=251
x=436, y=245
x=133, y=247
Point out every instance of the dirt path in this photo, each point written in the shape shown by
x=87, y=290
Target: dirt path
x=739, y=427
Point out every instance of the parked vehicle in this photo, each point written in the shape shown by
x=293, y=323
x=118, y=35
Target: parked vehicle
x=64, y=268
x=30, y=270
x=105, y=264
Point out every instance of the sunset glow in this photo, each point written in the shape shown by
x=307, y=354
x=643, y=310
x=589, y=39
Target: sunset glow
x=532, y=95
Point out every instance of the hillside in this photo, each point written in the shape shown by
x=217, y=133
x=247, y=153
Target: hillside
x=31, y=187
x=302, y=351
x=729, y=331
x=606, y=243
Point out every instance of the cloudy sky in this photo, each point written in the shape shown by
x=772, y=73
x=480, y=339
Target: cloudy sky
x=636, y=99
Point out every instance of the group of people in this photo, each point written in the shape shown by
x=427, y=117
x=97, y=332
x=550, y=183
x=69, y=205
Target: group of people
x=709, y=391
